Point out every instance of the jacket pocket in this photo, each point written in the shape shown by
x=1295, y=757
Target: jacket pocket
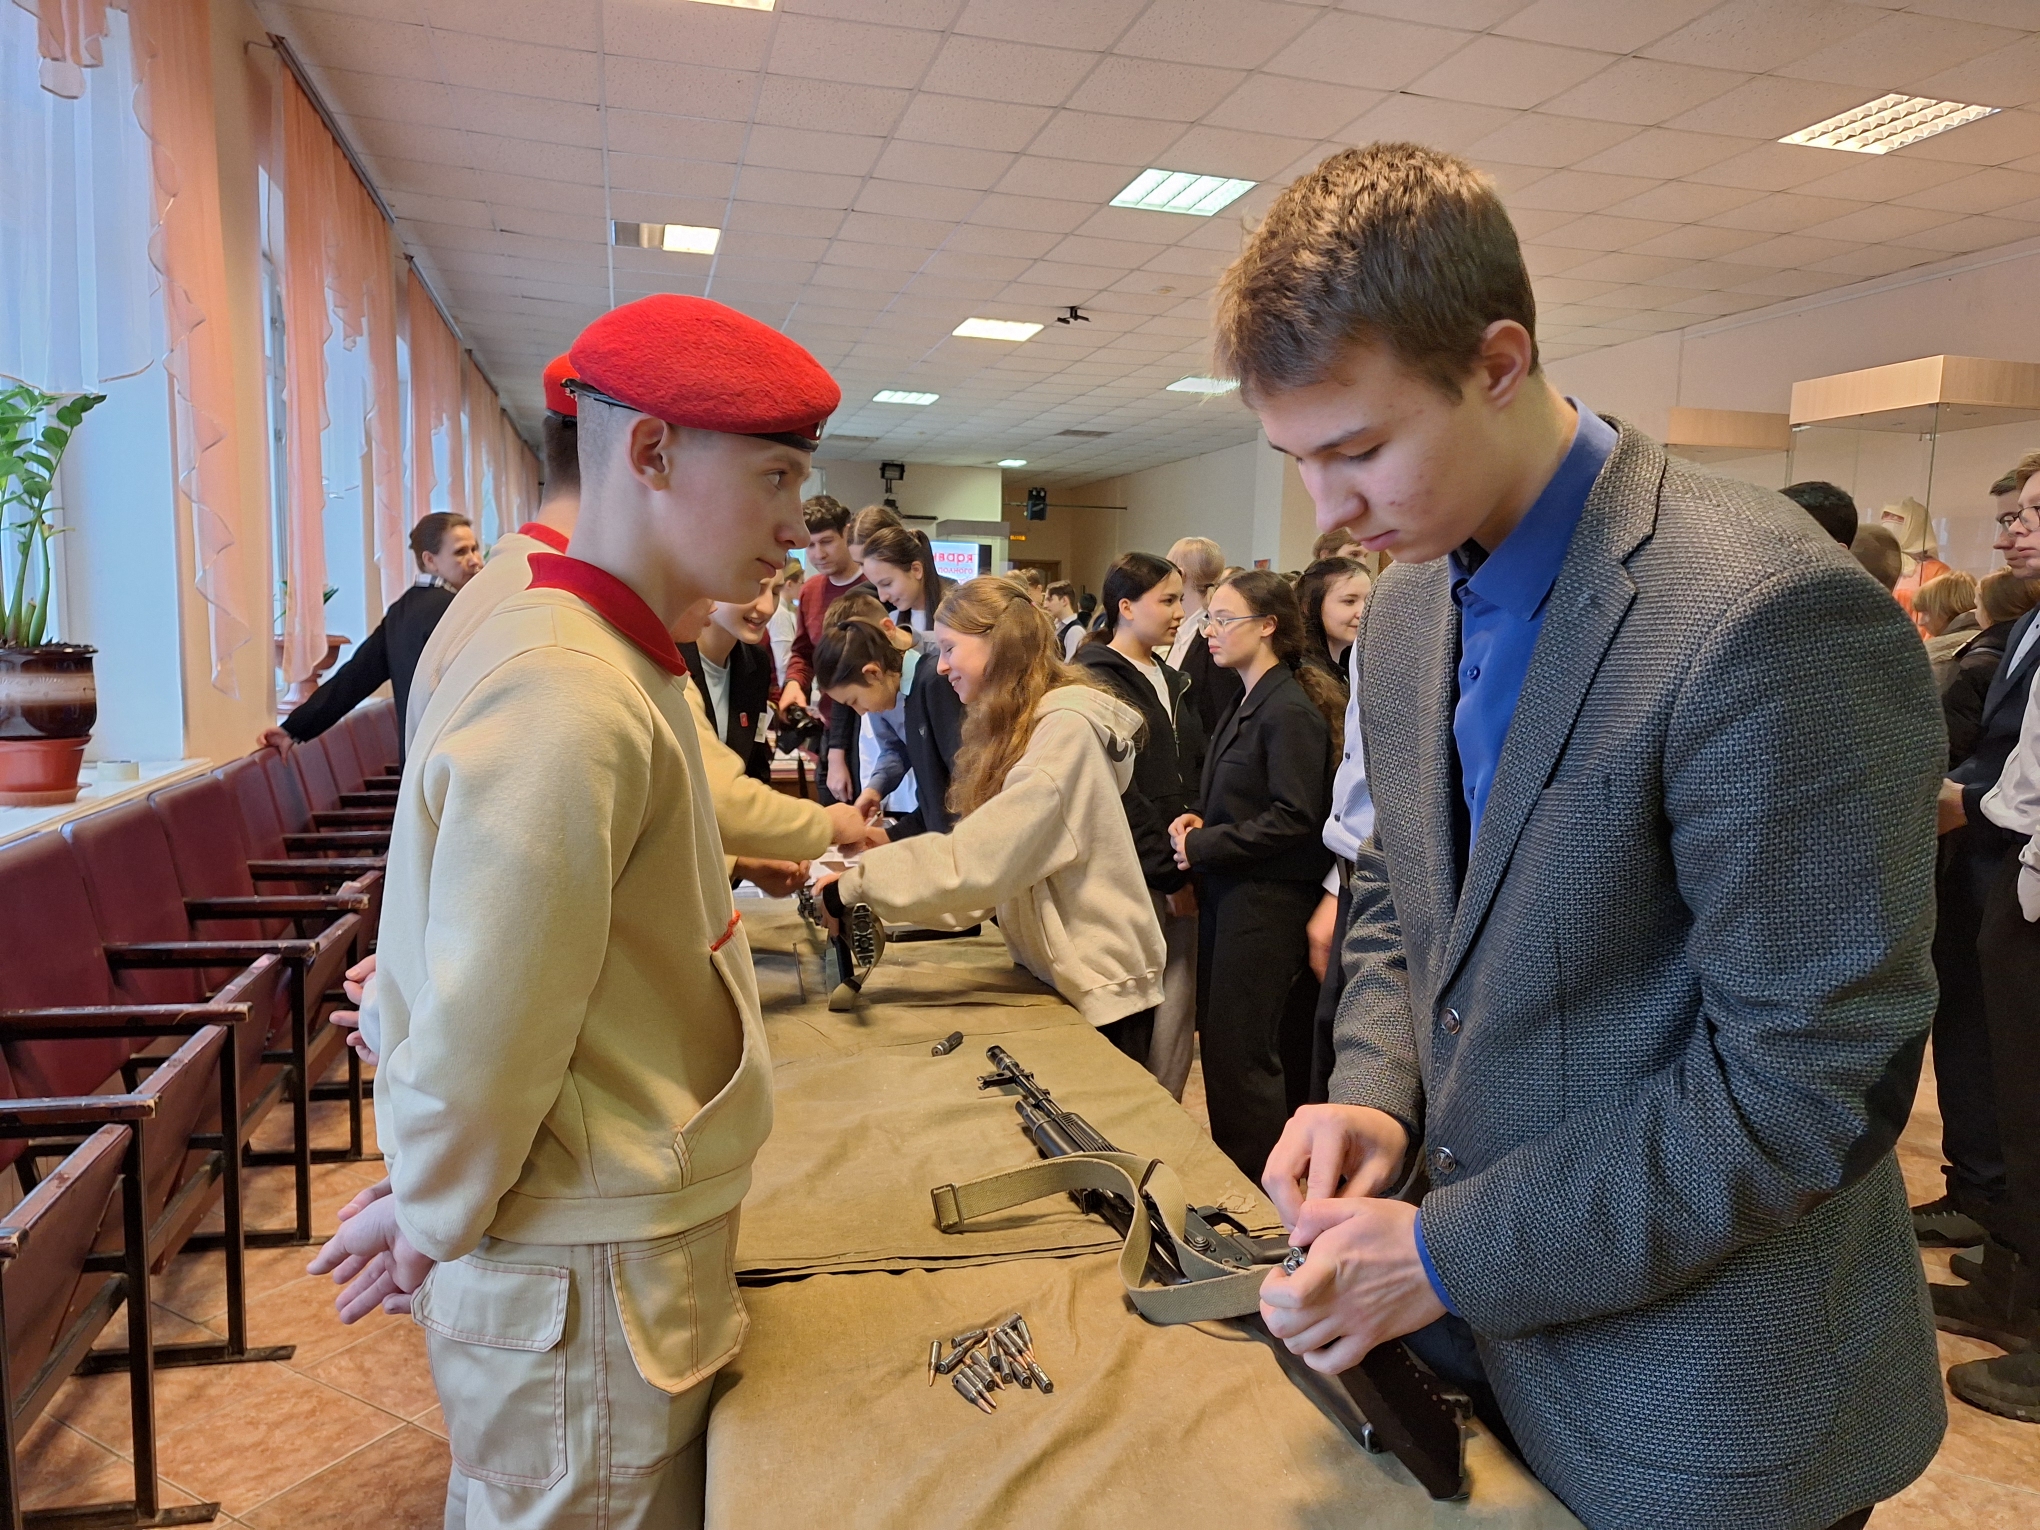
x=500, y=1367
x=678, y=1301
x=727, y=1132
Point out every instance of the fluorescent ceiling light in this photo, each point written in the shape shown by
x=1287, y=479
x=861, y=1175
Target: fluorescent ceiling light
x=1178, y=191
x=1012, y=462
x=996, y=329
x=1889, y=122
x=677, y=238
x=1202, y=385
x=895, y=396
x=742, y=5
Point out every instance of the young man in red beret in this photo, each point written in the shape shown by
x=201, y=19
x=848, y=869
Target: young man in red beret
x=574, y=1078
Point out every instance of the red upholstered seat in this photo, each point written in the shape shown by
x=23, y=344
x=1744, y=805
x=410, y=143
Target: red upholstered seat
x=315, y=774
x=54, y=960
x=389, y=731
x=247, y=781
x=135, y=897
x=341, y=757
x=287, y=789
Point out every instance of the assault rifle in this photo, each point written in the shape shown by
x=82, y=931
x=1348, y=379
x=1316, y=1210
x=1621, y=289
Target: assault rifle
x=1389, y=1402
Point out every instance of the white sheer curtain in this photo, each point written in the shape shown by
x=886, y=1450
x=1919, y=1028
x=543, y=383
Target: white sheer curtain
x=77, y=305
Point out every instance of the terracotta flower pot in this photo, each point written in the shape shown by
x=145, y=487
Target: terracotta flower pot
x=48, y=704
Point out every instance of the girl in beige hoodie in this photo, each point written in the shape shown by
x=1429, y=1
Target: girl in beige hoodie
x=1041, y=836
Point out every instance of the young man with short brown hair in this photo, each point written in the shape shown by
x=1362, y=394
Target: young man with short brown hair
x=1637, y=964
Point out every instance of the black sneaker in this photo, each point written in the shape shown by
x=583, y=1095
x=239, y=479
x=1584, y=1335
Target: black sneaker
x=2008, y=1385
x=1967, y=1265
x=1941, y=1224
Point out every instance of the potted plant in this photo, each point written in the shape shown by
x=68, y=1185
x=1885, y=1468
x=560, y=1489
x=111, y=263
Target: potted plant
x=48, y=702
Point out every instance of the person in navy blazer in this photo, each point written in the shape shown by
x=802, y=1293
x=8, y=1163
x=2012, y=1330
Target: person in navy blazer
x=1638, y=968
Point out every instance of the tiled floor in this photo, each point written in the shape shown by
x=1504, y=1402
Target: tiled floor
x=347, y=1432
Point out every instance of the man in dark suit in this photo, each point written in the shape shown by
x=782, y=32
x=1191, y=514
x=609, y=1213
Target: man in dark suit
x=1974, y=851
x=1637, y=966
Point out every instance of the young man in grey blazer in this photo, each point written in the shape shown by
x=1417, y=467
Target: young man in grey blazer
x=1638, y=972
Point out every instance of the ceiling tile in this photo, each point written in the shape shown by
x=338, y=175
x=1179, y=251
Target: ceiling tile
x=1643, y=90
x=1597, y=24
x=1883, y=224
x=1036, y=176
x=1450, y=125
x=971, y=124
x=1500, y=71
x=830, y=105
x=1366, y=50
x=1785, y=212
x=645, y=85
x=912, y=201
x=1768, y=106
x=1232, y=33
x=1897, y=52
x=934, y=164
x=2008, y=75
x=1299, y=108
x=731, y=37
x=933, y=15
x=1762, y=35
x=1229, y=152
x=1131, y=141
x=798, y=186
x=788, y=148
x=1966, y=234
x=857, y=53
x=1770, y=167
x=1578, y=191
x=1007, y=71
x=1983, y=191
x=1685, y=202
x=1665, y=154
x=1535, y=138
x=1144, y=88
x=1063, y=23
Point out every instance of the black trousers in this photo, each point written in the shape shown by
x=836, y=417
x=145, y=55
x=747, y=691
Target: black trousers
x=1134, y=1034
x=2011, y=989
x=1323, y=1053
x=1255, y=1002
x=1971, y=859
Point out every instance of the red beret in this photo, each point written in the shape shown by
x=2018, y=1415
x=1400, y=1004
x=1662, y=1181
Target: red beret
x=693, y=362
x=557, y=398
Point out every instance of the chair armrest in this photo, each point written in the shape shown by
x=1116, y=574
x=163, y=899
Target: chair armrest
x=205, y=953
x=354, y=817
x=24, y=1118
x=280, y=904
x=339, y=868
x=337, y=839
x=11, y=1240
x=93, y=1021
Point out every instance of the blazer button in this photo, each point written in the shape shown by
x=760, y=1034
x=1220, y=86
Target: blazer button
x=1450, y=1020
x=1442, y=1162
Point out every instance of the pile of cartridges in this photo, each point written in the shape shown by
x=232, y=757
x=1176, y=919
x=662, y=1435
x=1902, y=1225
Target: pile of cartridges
x=984, y=1360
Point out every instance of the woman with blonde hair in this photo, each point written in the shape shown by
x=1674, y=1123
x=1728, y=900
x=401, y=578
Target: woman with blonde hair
x=1944, y=610
x=1041, y=834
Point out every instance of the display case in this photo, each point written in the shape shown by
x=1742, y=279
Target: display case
x=1733, y=443
x=1918, y=445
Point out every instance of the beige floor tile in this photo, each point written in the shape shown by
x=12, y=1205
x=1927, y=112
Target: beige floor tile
x=434, y=1419
x=186, y=1396
x=58, y=1462
x=302, y=1313
x=263, y=1445
x=195, y=1285
x=387, y=1368
x=397, y=1483
x=1947, y=1500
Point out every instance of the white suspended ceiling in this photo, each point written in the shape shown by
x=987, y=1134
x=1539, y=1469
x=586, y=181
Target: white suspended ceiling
x=883, y=169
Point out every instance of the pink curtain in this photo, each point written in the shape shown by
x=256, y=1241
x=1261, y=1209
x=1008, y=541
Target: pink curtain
x=174, y=102
x=68, y=36
x=436, y=404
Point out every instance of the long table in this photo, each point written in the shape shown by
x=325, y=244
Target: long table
x=827, y=1416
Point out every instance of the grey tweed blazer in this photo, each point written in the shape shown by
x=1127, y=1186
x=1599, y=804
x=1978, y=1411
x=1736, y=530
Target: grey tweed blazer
x=1658, y=1042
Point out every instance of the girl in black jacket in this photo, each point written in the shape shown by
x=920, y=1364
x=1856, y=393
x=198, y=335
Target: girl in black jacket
x=1254, y=842
x=1141, y=610
x=869, y=667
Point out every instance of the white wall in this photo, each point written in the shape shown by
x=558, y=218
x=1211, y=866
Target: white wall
x=930, y=489
x=1977, y=305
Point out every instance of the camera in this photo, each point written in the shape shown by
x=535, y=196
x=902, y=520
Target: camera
x=799, y=731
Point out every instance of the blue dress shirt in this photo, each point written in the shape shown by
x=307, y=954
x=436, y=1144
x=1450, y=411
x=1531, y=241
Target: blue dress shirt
x=1501, y=599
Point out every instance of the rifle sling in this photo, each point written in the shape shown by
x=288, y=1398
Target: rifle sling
x=1211, y=1290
